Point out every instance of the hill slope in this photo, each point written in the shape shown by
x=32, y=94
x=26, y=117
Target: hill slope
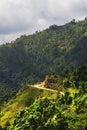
x=30, y=58
x=24, y=98
x=41, y=107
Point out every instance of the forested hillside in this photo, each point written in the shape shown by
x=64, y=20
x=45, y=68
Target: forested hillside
x=40, y=109
x=29, y=59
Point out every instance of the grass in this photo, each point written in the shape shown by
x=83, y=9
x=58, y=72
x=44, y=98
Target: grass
x=25, y=97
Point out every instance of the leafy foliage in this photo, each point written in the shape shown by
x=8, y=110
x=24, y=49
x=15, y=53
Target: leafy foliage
x=43, y=114
x=24, y=98
x=47, y=114
x=77, y=79
x=67, y=111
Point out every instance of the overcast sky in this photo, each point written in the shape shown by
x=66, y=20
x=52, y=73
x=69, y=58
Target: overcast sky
x=18, y=17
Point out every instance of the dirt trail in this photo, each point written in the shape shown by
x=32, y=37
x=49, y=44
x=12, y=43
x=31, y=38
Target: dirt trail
x=40, y=86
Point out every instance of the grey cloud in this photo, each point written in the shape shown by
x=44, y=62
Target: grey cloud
x=26, y=16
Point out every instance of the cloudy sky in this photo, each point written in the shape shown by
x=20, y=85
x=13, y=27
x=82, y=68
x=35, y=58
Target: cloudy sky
x=18, y=17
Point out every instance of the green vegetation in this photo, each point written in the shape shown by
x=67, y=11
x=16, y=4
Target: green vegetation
x=43, y=109
x=24, y=98
x=29, y=59
x=58, y=103
x=67, y=112
x=47, y=114
x=77, y=79
x=42, y=115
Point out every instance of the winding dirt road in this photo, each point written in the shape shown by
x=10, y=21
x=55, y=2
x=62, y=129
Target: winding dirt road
x=39, y=86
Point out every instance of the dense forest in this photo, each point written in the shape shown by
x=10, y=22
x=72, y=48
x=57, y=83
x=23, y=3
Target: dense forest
x=29, y=59
x=66, y=111
x=58, y=53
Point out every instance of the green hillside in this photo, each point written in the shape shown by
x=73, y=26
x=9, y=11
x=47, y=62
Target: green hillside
x=40, y=107
x=24, y=98
x=29, y=59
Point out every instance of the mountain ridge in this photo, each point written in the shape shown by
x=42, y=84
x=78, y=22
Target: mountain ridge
x=30, y=58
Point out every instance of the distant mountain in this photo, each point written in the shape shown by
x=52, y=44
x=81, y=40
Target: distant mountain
x=30, y=58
